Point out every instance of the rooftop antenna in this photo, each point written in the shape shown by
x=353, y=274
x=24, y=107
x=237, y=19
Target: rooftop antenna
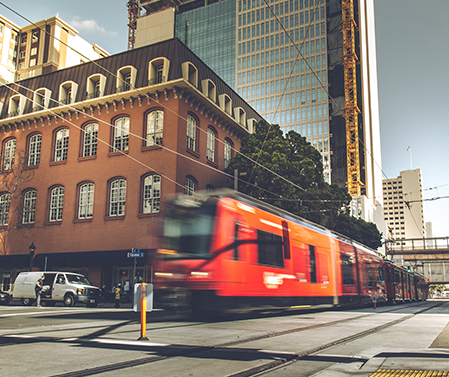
x=409, y=149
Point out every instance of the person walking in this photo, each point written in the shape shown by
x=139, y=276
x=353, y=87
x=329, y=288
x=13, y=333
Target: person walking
x=118, y=295
x=38, y=288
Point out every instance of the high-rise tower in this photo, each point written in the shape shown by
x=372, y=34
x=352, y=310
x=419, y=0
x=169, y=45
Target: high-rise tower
x=307, y=65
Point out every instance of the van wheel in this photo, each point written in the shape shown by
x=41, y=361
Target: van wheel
x=69, y=300
x=27, y=301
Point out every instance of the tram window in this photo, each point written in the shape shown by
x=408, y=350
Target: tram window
x=380, y=274
x=286, y=241
x=270, y=249
x=371, y=276
x=397, y=277
x=312, y=263
x=347, y=269
x=236, y=242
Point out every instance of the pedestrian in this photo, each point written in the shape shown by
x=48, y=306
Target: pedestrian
x=118, y=295
x=38, y=289
x=104, y=293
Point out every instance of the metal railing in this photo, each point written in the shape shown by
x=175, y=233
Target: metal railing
x=417, y=244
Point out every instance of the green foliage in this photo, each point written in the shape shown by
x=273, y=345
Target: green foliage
x=293, y=159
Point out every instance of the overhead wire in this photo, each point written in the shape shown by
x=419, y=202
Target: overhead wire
x=178, y=115
x=138, y=89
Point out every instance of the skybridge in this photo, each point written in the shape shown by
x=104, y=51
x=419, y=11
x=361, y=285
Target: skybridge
x=427, y=256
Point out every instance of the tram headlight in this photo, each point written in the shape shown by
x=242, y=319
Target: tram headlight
x=200, y=274
x=163, y=274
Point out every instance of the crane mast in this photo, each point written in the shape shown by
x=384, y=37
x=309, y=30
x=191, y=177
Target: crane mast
x=133, y=12
x=351, y=110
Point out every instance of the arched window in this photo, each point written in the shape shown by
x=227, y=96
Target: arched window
x=189, y=186
x=121, y=134
x=155, y=128
x=211, y=140
x=160, y=74
x=117, y=197
x=29, y=207
x=5, y=201
x=34, y=149
x=61, y=144
x=151, y=194
x=227, y=152
x=56, y=203
x=9, y=152
x=86, y=201
x=191, y=132
x=90, y=140
x=126, y=78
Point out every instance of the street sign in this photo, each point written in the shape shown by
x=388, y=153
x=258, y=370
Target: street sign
x=136, y=253
x=137, y=302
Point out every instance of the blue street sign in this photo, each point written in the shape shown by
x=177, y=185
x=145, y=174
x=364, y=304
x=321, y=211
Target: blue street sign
x=136, y=253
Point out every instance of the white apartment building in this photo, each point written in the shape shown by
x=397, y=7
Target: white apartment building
x=403, y=207
x=42, y=47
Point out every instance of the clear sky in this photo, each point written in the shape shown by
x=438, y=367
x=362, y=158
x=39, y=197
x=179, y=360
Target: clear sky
x=412, y=52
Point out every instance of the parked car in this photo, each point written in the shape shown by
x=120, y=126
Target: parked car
x=66, y=287
x=5, y=298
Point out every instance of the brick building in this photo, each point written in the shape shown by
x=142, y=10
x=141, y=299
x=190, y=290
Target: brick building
x=89, y=153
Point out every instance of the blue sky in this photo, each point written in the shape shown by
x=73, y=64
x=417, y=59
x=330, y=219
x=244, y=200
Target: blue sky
x=412, y=68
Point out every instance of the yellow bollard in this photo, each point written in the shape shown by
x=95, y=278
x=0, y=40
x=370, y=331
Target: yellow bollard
x=143, y=312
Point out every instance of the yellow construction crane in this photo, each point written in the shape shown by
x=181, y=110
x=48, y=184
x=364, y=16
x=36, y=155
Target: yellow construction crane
x=351, y=109
x=133, y=13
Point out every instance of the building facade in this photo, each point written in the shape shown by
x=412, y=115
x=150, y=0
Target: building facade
x=90, y=152
x=290, y=66
x=41, y=47
x=403, y=206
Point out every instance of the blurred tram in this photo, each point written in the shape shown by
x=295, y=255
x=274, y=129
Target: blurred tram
x=226, y=251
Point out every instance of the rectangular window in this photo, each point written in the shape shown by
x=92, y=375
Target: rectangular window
x=191, y=133
x=121, y=134
x=29, y=207
x=117, y=198
x=90, y=140
x=151, y=194
x=56, y=203
x=270, y=249
x=86, y=201
x=312, y=264
x=61, y=145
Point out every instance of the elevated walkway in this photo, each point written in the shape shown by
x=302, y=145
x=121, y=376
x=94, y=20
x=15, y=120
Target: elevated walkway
x=428, y=256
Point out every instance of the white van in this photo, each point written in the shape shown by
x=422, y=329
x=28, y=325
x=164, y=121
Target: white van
x=66, y=287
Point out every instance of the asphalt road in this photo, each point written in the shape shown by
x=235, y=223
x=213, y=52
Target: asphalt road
x=104, y=341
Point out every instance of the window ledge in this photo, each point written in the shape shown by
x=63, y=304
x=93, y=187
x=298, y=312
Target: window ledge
x=192, y=152
x=48, y=222
x=151, y=147
x=212, y=163
x=118, y=153
x=88, y=220
x=141, y=215
x=55, y=163
x=87, y=158
x=108, y=218
x=29, y=167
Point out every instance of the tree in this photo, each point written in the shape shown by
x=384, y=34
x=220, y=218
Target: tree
x=10, y=185
x=288, y=173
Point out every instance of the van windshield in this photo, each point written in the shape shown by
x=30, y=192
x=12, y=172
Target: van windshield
x=77, y=279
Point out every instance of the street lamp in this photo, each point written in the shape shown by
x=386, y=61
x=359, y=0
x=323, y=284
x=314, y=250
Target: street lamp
x=32, y=249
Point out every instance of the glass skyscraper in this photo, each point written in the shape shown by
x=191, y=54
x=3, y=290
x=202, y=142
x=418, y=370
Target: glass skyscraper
x=286, y=58
x=209, y=31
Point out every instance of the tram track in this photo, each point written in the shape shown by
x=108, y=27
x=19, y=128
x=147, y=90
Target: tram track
x=281, y=359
